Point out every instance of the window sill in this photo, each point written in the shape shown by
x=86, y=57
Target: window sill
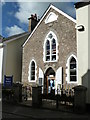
x=32, y=81
x=50, y=61
x=72, y=82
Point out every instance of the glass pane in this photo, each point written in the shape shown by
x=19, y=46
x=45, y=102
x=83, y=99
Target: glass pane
x=33, y=63
x=50, y=35
x=54, y=46
x=53, y=51
x=53, y=41
x=53, y=57
x=72, y=66
x=48, y=47
x=47, y=42
x=32, y=77
x=47, y=58
x=32, y=72
x=73, y=61
x=73, y=78
x=33, y=68
x=48, y=52
x=72, y=72
x=73, y=69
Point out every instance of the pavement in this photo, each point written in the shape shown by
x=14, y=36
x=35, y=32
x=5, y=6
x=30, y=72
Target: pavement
x=26, y=111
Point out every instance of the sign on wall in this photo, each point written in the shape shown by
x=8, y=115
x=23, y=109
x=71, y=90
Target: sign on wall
x=8, y=80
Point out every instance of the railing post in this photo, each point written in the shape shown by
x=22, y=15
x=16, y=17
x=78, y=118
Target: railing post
x=36, y=96
x=80, y=99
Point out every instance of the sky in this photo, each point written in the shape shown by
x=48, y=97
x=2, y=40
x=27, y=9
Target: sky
x=14, y=14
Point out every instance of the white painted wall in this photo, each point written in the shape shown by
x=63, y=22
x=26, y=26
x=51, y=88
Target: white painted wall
x=58, y=80
x=12, y=58
x=83, y=43
x=89, y=53
x=41, y=75
x=89, y=37
x=1, y=62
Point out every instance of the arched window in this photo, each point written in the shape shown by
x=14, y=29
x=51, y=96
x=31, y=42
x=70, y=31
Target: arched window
x=32, y=71
x=47, y=50
x=50, y=48
x=53, y=49
x=71, y=70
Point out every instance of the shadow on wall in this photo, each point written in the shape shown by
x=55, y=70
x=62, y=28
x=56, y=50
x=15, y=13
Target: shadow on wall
x=86, y=83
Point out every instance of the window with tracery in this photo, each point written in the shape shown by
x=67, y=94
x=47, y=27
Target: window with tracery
x=50, y=47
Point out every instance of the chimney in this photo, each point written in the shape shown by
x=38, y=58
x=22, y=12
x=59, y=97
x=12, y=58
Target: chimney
x=32, y=22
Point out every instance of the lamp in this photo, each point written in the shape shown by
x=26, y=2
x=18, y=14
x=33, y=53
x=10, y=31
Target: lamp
x=80, y=28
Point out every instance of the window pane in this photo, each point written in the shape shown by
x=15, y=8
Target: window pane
x=53, y=51
x=73, y=61
x=47, y=58
x=33, y=70
x=54, y=46
x=53, y=41
x=72, y=66
x=73, y=72
x=32, y=77
x=33, y=64
x=48, y=52
x=50, y=35
x=47, y=42
x=53, y=57
x=73, y=78
x=48, y=47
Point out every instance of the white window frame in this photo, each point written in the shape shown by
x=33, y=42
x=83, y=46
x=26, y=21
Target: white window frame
x=51, y=17
x=29, y=72
x=44, y=47
x=68, y=69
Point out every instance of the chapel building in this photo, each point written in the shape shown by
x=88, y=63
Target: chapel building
x=50, y=53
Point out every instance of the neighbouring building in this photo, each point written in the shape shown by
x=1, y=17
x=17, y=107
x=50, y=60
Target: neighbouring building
x=83, y=44
x=1, y=57
x=11, y=52
x=12, y=56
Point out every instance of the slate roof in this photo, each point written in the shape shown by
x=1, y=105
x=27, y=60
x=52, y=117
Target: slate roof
x=82, y=4
x=13, y=37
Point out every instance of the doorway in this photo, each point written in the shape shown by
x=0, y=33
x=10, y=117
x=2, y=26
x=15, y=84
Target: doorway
x=49, y=81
